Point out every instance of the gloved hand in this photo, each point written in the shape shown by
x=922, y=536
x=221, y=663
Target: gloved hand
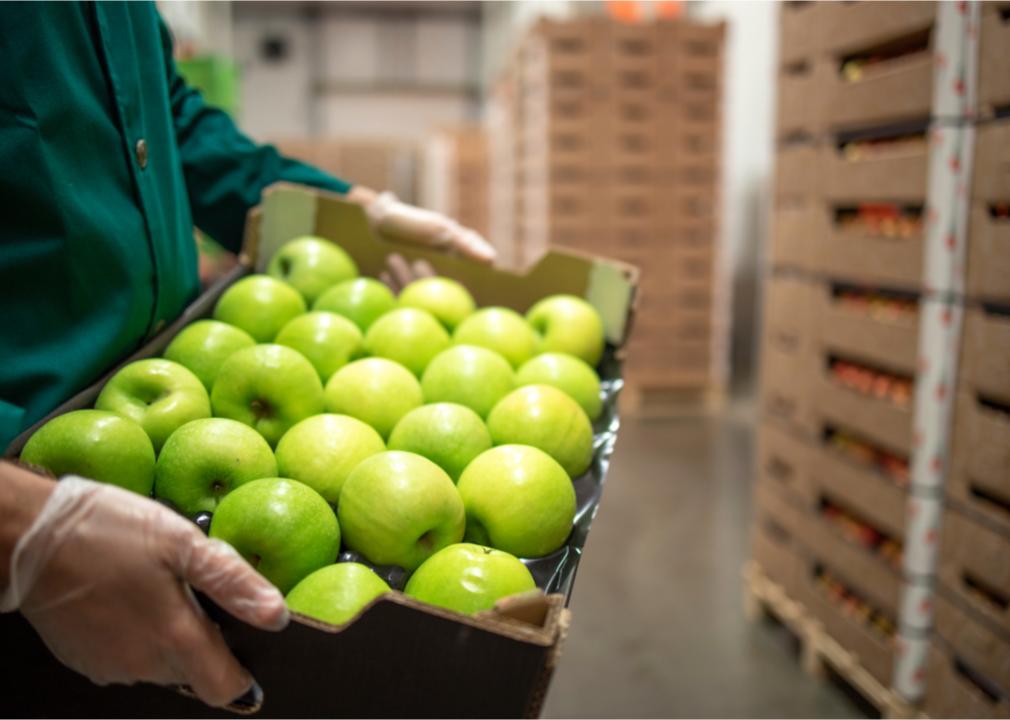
x=104, y=576
x=401, y=222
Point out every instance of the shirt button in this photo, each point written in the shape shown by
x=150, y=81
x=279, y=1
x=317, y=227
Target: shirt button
x=141, y=150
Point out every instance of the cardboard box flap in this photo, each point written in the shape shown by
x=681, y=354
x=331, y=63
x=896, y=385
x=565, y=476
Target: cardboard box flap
x=288, y=211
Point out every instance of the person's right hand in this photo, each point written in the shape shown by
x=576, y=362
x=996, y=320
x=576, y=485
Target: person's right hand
x=105, y=578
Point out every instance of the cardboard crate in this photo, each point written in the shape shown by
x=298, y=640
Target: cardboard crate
x=888, y=340
x=899, y=176
x=798, y=172
x=979, y=479
x=856, y=254
x=800, y=31
x=973, y=640
x=892, y=91
x=985, y=353
x=975, y=566
x=991, y=171
x=881, y=421
x=801, y=101
x=787, y=462
x=504, y=659
x=873, y=651
x=994, y=57
x=953, y=692
x=866, y=490
x=856, y=26
x=988, y=273
x=786, y=380
x=792, y=243
x=776, y=551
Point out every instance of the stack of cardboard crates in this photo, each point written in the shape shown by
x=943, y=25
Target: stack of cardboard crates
x=610, y=135
x=456, y=175
x=840, y=360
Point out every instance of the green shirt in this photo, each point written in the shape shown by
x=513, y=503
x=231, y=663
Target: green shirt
x=108, y=160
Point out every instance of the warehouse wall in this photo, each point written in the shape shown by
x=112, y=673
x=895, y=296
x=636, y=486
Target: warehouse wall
x=353, y=72
x=752, y=39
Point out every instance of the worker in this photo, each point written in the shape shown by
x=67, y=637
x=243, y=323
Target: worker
x=109, y=160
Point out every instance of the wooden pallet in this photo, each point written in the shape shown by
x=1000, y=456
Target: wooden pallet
x=820, y=653
x=656, y=401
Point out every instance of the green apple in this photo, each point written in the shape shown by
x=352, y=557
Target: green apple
x=468, y=375
x=336, y=593
x=374, y=390
x=568, y=374
x=449, y=435
x=517, y=499
x=260, y=305
x=204, y=460
x=321, y=451
x=499, y=329
x=283, y=528
x=546, y=418
x=362, y=301
x=409, y=336
x=446, y=299
x=329, y=341
x=469, y=578
x=203, y=347
x=157, y=394
x=269, y=388
x=94, y=444
x=311, y=265
x=398, y=508
x=568, y=324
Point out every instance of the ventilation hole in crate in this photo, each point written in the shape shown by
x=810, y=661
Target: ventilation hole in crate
x=568, y=45
x=634, y=112
x=870, y=380
x=856, y=66
x=882, y=220
x=569, y=79
x=860, y=531
x=780, y=469
x=797, y=67
x=854, y=447
x=990, y=499
x=990, y=691
x=635, y=46
x=700, y=48
x=992, y=403
x=700, y=81
x=779, y=534
x=852, y=603
x=984, y=591
x=635, y=79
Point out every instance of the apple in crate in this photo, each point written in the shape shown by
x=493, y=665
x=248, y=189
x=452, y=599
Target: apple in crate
x=204, y=460
x=157, y=394
x=568, y=374
x=408, y=336
x=568, y=324
x=269, y=388
x=362, y=301
x=311, y=265
x=446, y=299
x=517, y=499
x=94, y=444
x=327, y=340
x=284, y=529
x=398, y=508
x=374, y=390
x=499, y=329
x=203, y=347
x=336, y=593
x=469, y=375
x=260, y=305
x=546, y=418
x=321, y=451
x=449, y=435
x=469, y=578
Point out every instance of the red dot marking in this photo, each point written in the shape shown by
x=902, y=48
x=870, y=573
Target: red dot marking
x=925, y=606
x=941, y=391
x=931, y=537
x=936, y=464
x=947, y=316
x=951, y=241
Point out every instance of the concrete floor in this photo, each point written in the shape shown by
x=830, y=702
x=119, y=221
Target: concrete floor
x=658, y=628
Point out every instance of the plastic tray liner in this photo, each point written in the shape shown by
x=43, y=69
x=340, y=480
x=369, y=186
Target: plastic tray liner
x=555, y=573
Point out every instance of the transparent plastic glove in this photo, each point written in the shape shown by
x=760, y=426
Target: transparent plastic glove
x=104, y=577
x=406, y=223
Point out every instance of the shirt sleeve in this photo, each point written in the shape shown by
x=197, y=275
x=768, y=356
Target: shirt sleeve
x=225, y=171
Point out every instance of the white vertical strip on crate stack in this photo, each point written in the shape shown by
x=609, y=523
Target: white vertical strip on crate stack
x=951, y=146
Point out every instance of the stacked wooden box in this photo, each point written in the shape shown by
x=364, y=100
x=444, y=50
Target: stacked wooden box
x=615, y=149
x=840, y=343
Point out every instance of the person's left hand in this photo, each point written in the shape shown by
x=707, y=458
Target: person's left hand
x=400, y=222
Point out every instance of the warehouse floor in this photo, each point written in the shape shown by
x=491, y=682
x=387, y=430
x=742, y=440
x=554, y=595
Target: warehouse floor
x=657, y=627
